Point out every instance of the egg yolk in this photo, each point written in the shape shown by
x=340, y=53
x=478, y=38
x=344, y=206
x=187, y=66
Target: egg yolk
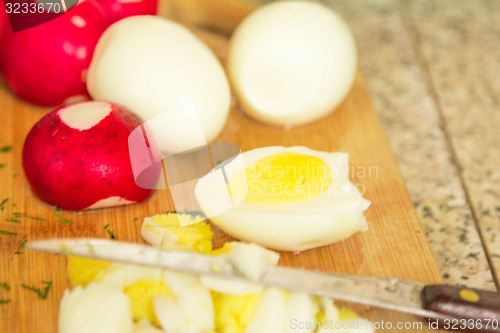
x=197, y=235
x=141, y=294
x=283, y=178
x=82, y=271
x=234, y=312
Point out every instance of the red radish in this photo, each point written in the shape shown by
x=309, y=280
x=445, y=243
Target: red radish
x=119, y=9
x=46, y=64
x=77, y=157
x=4, y=27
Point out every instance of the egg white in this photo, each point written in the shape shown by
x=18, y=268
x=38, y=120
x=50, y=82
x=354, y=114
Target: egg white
x=161, y=71
x=334, y=215
x=291, y=62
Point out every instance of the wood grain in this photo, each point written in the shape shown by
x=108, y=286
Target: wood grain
x=394, y=246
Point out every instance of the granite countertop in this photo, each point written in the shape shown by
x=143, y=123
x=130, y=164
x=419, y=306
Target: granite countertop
x=432, y=71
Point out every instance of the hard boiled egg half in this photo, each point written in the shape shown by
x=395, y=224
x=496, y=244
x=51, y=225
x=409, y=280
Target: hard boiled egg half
x=290, y=199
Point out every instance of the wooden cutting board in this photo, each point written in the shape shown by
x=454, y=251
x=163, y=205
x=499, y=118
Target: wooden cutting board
x=394, y=246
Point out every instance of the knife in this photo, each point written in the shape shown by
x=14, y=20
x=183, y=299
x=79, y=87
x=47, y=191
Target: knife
x=452, y=307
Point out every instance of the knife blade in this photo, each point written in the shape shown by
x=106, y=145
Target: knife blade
x=439, y=302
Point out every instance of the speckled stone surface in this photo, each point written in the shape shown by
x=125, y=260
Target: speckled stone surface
x=411, y=92
x=467, y=87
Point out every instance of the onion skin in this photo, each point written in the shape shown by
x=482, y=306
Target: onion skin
x=74, y=169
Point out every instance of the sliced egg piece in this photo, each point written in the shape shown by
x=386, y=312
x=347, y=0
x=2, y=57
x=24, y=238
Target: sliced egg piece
x=122, y=275
x=82, y=271
x=192, y=309
x=335, y=317
x=329, y=314
x=228, y=248
x=300, y=307
x=228, y=286
x=250, y=260
x=296, y=199
x=271, y=313
x=167, y=230
x=96, y=308
x=234, y=312
x=141, y=294
x=145, y=326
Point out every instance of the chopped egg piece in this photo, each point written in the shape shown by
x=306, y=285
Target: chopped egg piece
x=166, y=229
x=145, y=326
x=141, y=294
x=192, y=309
x=271, y=313
x=233, y=313
x=96, y=308
x=249, y=259
x=171, y=302
x=82, y=271
x=122, y=275
x=300, y=307
x=229, y=286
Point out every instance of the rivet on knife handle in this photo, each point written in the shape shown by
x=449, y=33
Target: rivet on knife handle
x=478, y=310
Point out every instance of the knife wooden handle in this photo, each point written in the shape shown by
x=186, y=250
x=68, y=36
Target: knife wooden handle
x=475, y=310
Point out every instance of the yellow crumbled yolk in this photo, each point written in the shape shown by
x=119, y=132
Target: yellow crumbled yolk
x=347, y=314
x=234, y=312
x=82, y=271
x=344, y=315
x=282, y=178
x=197, y=235
x=224, y=249
x=141, y=294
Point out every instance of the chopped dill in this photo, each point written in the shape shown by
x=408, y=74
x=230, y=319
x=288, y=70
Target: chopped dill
x=9, y=233
x=16, y=217
x=41, y=294
x=5, y=149
x=2, y=204
x=35, y=218
x=62, y=219
x=109, y=232
x=5, y=286
x=4, y=301
x=2, y=166
x=24, y=242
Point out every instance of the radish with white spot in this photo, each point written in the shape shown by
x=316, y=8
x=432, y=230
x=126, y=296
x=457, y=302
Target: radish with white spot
x=77, y=157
